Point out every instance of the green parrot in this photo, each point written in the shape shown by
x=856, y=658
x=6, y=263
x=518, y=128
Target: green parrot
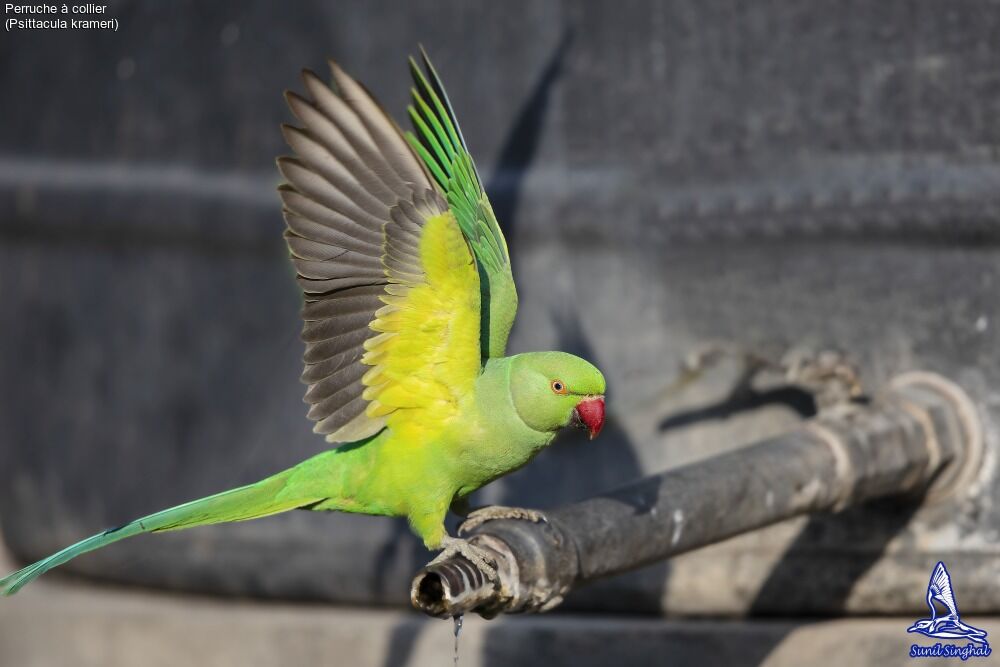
x=409, y=300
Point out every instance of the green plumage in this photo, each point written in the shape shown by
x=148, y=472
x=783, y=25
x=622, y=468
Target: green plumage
x=247, y=502
x=409, y=301
x=441, y=146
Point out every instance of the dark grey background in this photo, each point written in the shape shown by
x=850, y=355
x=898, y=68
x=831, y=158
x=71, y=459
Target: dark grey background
x=769, y=175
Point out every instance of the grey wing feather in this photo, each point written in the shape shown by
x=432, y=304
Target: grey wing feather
x=353, y=206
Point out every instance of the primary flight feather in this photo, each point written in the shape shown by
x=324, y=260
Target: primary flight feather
x=409, y=300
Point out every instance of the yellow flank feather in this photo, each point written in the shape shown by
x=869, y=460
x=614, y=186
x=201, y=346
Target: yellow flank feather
x=427, y=354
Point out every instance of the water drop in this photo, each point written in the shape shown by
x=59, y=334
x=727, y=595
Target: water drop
x=458, y=629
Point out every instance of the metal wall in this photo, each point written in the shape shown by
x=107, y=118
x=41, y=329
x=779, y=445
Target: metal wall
x=774, y=176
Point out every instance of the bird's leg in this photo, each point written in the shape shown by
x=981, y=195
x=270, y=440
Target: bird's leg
x=452, y=546
x=480, y=516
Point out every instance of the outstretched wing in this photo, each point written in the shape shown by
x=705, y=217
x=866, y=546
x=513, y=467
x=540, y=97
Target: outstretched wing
x=940, y=586
x=439, y=142
x=391, y=289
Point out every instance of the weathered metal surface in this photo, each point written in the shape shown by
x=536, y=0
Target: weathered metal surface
x=773, y=177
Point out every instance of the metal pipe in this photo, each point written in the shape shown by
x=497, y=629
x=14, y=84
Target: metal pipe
x=921, y=436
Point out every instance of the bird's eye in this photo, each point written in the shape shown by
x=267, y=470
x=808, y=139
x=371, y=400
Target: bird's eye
x=558, y=387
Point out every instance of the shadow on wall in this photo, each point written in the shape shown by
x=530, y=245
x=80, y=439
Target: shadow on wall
x=521, y=146
x=868, y=528
x=572, y=467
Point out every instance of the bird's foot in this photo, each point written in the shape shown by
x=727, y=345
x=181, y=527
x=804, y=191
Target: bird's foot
x=480, y=516
x=452, y=546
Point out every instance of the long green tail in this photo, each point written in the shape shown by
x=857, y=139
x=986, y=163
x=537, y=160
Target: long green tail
x=247, y=502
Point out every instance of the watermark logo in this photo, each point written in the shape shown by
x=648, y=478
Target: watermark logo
x=963, y=641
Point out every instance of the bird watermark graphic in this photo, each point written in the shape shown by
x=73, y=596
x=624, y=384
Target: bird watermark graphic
x=947, y=625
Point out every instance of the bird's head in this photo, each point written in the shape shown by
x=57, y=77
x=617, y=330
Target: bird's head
x=922, y=626
x=555, y=389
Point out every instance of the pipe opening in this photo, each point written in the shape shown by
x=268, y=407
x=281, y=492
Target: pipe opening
x=430, y=592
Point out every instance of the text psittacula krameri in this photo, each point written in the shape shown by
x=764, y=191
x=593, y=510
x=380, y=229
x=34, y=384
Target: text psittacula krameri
x=409, y=300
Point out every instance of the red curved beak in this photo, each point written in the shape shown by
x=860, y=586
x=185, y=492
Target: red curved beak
x=590, y=413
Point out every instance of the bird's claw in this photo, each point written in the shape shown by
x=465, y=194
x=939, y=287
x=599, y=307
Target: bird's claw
x=452, y=546
x=480, y=516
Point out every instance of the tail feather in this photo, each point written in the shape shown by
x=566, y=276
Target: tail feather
x=248, y=502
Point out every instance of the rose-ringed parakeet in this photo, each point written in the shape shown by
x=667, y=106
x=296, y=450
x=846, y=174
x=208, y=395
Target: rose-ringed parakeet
x=409, y=300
